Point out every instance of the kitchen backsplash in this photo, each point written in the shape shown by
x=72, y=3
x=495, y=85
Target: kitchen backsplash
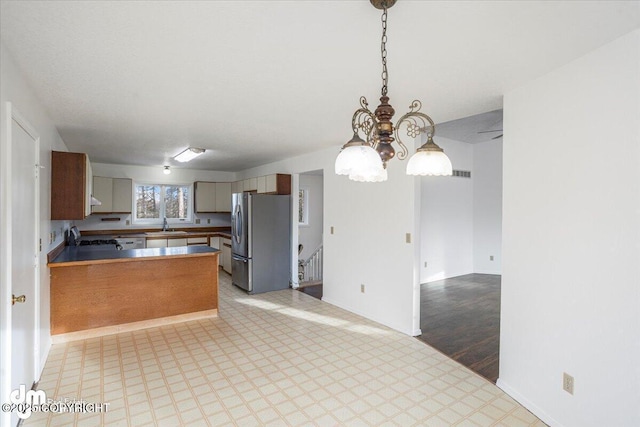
x=94, y=222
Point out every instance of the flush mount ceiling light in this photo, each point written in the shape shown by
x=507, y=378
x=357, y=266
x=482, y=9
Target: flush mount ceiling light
x=366, y=161
x=189, y=154
x=166, y=170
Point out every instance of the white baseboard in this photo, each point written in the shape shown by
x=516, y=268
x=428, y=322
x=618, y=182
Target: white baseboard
x=533, y=408
x=44, y=355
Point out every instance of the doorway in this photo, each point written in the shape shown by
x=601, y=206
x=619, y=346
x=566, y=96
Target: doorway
x=20, y=300
x=310, y=226
x=461, y=245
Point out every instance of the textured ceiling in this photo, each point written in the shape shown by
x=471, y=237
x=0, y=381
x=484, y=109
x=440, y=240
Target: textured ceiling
x=254, y=81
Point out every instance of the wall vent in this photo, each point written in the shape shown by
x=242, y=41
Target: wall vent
x=462, y=174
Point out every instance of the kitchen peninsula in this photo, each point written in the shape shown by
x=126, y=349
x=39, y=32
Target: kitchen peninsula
x=100, y=292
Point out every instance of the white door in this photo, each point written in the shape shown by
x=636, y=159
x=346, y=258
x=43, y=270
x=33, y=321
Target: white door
x=22, y=249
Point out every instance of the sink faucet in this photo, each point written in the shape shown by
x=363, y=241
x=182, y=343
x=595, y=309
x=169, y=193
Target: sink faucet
x=165, y=225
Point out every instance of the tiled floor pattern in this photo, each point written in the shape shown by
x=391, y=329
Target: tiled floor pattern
x=276, y=359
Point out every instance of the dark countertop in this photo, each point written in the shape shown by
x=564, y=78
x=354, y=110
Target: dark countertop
x=98, y=254
x=141, y=232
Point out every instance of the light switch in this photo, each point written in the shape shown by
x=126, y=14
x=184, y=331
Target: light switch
x=408, y=238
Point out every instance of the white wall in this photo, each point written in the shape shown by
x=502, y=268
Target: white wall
x=15, y=89
x=447, y=217
x=155, y=175
x=571, y=240
x=487, y=207
x=368, y=247
x=461, y=218
x=310, y=235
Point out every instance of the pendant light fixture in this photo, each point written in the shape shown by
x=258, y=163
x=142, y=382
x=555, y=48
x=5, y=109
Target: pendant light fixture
x=366, y=161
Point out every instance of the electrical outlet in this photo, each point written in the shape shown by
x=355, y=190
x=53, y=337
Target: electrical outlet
x=490, y=257
x=208, y=220
x=127, y=222
x=197, y=220
x=567, y=383
x=362, y=288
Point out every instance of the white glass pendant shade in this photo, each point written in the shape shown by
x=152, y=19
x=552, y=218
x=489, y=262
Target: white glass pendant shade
x=361, y=162
x=429, y=163
x=379, y=174
x=347, y=158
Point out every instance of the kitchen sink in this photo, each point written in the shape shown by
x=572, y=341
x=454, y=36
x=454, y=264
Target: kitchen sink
x=164, y=233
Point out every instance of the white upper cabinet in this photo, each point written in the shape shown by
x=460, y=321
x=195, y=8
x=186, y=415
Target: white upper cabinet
x=122, y=196
x=223, y=197
x=114, y=193
x=271, y=184
x=250, y=184
x=213, y=197
x=236, y=187
x=205, y=196
x=88, y=185
x=276, y=183
x=262, y=184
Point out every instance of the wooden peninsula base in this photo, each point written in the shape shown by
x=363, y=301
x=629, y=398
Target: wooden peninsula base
x=153, y=284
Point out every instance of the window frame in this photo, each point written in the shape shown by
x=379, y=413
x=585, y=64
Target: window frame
x=305, y=206
x=160, y=221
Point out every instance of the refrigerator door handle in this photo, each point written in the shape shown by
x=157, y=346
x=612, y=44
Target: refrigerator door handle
x=240, y=259
x=237, y=223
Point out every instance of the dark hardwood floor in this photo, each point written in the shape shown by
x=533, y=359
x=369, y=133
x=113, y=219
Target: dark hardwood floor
x=313, y=290
x=461, y=318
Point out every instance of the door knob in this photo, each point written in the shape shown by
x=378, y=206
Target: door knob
x=15, y=299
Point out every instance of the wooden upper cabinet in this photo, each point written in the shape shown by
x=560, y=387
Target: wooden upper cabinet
x=114, y=193
x=212, y=197
x=71, y=186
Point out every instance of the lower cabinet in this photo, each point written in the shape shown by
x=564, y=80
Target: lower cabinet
x=197, y=241
x=221, y=243
x=172, y=243
x=226, y=254
x=156, y=243
x=214, y=242
x=166, y=243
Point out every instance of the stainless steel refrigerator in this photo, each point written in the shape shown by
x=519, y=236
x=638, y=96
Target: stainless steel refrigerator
x=260, y=242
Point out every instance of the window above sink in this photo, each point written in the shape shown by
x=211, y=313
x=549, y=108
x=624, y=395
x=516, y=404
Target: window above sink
x=154, y=202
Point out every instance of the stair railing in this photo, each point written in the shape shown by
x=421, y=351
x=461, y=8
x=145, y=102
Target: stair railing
x=310, y=270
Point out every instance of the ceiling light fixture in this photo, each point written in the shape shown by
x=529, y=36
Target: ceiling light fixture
x=166, y=170
x=189, y=154
x=366, y=161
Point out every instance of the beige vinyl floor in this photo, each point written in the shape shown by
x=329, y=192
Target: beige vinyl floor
x=276, y=359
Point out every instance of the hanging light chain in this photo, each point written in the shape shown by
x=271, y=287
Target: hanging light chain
x=383, y=51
